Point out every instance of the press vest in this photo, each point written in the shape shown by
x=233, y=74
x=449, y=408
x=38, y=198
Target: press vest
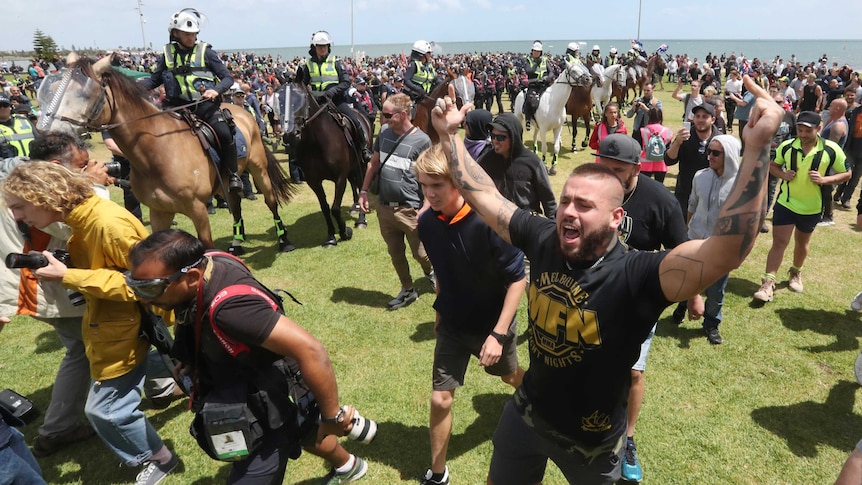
x=18, y=133
x=321, y=75
x=192, y=74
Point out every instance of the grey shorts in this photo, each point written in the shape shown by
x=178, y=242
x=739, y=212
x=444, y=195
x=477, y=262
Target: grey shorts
x=521, y=456
x=452, y=355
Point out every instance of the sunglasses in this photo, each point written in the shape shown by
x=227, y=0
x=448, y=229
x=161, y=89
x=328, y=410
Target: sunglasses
x=715, y=153
x=153, y=288
x=386, y=115
x=499, y=137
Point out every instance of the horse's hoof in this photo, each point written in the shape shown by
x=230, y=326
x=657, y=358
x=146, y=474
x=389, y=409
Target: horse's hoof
x=285, y=247
x=553, y=170
x=329, y=243
x=347, y=235
x=236, y=250
x=361, y=225
x=584, y=144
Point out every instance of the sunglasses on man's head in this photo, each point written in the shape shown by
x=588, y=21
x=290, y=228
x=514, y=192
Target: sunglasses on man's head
x=155, y=287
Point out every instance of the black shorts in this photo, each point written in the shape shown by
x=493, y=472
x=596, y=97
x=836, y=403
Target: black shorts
x=453, y=351
x=782, y=216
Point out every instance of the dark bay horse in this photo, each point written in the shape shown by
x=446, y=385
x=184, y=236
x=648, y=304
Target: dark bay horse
x=579, y=105
x=463, y=91
x=323, y=152
x=636, y=86
x=170, y=173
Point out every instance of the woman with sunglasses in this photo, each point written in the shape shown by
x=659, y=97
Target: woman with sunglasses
x=41, y=193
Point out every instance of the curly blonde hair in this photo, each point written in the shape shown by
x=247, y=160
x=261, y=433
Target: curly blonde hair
x=400, y=101
x=48, y=185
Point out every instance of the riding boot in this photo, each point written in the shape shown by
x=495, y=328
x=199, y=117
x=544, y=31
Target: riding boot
x=229, y=159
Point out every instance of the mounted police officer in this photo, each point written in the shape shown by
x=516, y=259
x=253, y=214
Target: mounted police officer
x=420, y=78
x=596, y=65
x=16, y=131
x=573, y=54
x=328, y=79
x=192, y=72
x=537, y=80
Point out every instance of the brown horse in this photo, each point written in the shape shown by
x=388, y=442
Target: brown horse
x=170, y=171
x=464, y=93
x=579, y=105
x=636, y=86
x=323, y=152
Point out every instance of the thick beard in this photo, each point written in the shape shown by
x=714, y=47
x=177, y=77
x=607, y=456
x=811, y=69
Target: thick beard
x=593, y=245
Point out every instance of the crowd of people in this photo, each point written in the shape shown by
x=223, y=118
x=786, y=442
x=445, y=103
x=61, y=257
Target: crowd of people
x=465, y=208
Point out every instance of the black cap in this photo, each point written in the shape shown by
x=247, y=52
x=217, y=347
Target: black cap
x=706, y=106
x=496, y=125
x=809, y=118
x=620, y=147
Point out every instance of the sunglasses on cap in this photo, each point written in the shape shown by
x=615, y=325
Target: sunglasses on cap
x=153, y=288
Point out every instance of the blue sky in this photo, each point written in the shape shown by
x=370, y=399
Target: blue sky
x=238, y=24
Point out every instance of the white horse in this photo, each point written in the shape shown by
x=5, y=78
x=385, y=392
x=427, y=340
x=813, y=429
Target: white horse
x=612, y=75
x=551, y=113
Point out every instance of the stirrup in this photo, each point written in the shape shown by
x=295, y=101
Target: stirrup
x=234, y=183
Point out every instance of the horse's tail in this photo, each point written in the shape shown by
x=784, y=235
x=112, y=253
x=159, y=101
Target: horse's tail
x=282, y=187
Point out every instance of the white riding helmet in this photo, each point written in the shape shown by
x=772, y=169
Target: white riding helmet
x=613, y=50
x=422, y=46
x=596, y=47
x=574, y=46
x=321, y=37
x=186, y=20
x=537, y=46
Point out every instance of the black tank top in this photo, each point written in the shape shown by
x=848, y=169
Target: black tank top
x=809, y=99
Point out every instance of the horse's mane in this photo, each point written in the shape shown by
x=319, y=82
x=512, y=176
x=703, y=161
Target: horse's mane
x=121, y=85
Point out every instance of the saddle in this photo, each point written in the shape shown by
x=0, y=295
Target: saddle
x=347, y=125
x=208, y=139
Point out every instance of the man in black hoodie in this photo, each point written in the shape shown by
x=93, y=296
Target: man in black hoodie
x=517, y=172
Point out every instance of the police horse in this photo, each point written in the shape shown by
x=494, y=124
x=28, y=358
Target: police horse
x=318, y=135
x=551, y=114
x=170, y=171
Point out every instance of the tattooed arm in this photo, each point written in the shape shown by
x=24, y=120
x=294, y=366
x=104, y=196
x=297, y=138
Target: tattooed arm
x=475, y=185
x=692, y=266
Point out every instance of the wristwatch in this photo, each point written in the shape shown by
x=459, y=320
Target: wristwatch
x=337, y=419
x=502, y=338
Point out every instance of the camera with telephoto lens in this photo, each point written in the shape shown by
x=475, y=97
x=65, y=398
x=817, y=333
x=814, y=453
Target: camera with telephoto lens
x=364, y=430
x=38, y=260
x=114, y=169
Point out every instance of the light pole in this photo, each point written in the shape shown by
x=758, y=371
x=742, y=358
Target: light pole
x=351, y=30
x=143, y=21
x=640, y=4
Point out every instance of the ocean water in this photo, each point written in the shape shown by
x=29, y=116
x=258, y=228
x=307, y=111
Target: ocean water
x=841, y=51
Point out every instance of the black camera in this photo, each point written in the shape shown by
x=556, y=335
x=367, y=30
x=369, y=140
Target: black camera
x=38, y=260
x=114, y=169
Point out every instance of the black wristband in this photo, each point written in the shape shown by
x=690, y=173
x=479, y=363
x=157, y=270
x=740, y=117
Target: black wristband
x=337, y=419
x=503, y=339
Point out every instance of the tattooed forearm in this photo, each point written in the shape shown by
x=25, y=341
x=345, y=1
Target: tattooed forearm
x=749, y=189
x=746, y=224
x=466, y=173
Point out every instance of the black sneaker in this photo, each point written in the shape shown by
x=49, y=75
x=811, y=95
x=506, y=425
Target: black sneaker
x=679, y=315
x=154, y=472
x=713, y=336
x=44, y=446
x=403, y=299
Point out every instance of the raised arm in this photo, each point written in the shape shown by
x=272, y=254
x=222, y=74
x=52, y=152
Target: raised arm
x=475, y=185
x=694, y=265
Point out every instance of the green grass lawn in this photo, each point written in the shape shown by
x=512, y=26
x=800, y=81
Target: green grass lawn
x=775, y=404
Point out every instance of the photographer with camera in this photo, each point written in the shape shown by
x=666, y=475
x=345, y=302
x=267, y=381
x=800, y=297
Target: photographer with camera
x=233, y=339
x=40, y=194
x=640, y=110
